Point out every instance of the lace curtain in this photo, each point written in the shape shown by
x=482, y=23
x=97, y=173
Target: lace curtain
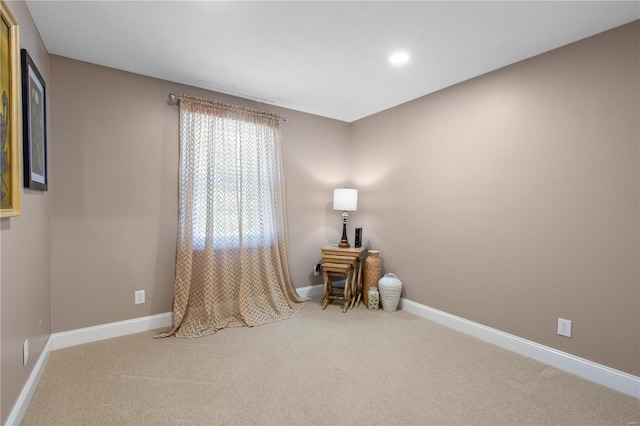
x=232, y=263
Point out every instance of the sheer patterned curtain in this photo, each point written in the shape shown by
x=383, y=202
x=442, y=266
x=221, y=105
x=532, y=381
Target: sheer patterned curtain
x=232, y=263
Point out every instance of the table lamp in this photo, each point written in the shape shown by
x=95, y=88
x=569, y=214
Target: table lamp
x=345, y=199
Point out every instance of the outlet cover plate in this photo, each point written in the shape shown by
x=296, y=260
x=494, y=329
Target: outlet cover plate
x=139, y=295
x=564, y=327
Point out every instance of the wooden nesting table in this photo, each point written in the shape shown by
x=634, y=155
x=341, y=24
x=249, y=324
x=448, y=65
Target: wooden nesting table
x=352, y=256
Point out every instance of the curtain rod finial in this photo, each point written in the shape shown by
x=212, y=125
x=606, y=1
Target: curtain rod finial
x=173, y=98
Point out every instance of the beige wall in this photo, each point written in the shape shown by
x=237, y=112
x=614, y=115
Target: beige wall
x=513, y=199
x=115, y=208
x=25, y=265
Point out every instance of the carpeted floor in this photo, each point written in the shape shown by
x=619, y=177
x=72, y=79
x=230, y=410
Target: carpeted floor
x=322, y=368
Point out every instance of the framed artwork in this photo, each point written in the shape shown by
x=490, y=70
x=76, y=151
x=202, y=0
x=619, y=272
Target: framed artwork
x=9, y=114
x=34, y=127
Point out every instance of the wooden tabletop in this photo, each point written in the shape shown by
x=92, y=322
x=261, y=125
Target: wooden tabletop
x=334, y=249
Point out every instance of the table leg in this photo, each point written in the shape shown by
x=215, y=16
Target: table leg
x=358, y=283
x=347, y=293
x=327, y=290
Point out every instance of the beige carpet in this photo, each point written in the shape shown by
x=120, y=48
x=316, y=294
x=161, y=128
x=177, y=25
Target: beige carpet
x=323, y=368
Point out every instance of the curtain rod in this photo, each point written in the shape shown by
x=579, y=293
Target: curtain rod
x=174, y=99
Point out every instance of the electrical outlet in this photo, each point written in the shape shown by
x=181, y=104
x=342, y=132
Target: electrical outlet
x=316, y=270
x=564, y=327
x=139, y=297
x=25, y=352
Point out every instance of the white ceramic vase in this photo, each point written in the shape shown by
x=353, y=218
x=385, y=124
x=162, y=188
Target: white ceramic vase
x=390, y=288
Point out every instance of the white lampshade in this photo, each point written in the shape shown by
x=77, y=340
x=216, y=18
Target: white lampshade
x=345, y=199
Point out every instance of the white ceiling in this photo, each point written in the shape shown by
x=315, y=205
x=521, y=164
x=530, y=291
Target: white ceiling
x=324, y=58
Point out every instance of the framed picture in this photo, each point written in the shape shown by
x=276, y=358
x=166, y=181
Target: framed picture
x=34, y=126
x=9, y=114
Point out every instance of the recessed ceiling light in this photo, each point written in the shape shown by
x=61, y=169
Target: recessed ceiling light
x=399, y=58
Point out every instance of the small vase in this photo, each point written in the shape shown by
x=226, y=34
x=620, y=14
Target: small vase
x=390, y=288
x=373, y=299
x=372, y=273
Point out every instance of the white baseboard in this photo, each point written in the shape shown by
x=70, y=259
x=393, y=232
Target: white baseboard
x=310, y=291
x=614, y=379
x=108, y=331
x=137, y=325
x=21, y=405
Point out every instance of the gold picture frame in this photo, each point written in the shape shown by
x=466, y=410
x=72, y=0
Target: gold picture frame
x=9, y=113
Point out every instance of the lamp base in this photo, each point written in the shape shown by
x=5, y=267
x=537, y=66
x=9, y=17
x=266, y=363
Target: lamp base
x=344, y=241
